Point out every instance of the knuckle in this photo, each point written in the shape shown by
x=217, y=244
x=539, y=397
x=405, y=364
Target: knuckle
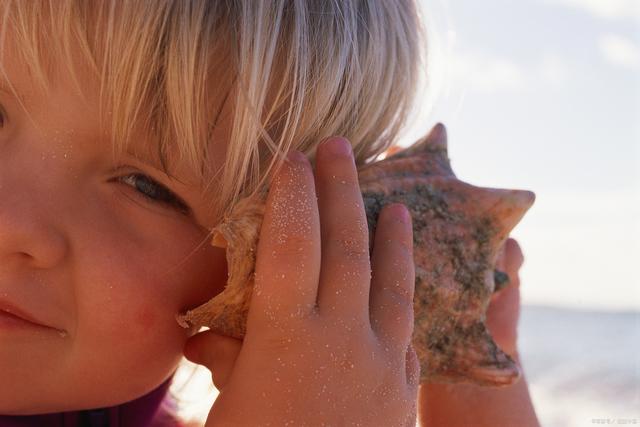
x=352, y=248
x=399, y=284
x=398, y=238
x=405, y=246
x=401, y=294
x=291, y=245
x=340, y=176
x=276, y=343
x=337, y=173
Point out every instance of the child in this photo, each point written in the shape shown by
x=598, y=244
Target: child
x=127, y=130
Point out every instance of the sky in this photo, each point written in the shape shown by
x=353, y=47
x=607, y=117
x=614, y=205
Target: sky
x=544, y=95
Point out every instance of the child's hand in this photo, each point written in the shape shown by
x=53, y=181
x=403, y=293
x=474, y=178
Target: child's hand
x=504, y=308
x=328, y=337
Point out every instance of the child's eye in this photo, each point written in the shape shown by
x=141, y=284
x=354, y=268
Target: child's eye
x=154, y=192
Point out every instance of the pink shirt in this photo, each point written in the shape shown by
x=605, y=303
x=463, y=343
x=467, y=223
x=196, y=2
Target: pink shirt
x=135, y=413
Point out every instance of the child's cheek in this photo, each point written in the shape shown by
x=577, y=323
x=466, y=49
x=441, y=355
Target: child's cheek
x=139, y=320
x=128, y=313
x=145, y=319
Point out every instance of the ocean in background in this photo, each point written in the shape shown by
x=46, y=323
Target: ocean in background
x=583, y=368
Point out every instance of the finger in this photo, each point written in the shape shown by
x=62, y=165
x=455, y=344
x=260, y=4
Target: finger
x=502, y=319
x=513, y=257
x=504, y=308
x=393, y=281
x=216, y=352
x=288, y=252
x=413, y=370
x=507, y=269
x=345, y=272
x=500, y=257
x=413, y=383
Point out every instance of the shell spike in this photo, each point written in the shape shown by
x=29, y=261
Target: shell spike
x=510, y=208
x=438, y=135
x=478, y=359
x=434, y=142
x=489, y=364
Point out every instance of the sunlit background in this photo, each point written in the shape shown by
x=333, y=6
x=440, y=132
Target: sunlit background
x=544, y=95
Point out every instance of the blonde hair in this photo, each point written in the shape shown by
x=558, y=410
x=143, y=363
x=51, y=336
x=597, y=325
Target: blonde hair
x=313, y=68
x=294, y=71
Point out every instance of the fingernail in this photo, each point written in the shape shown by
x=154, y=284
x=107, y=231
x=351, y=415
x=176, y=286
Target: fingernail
x=337, y=146
x=296, y=156
x=399, y=211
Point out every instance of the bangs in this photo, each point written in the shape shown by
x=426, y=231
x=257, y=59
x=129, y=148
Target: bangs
x=293, y=73
x=152, y=74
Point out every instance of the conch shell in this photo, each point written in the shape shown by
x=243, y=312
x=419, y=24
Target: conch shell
x=458, y=230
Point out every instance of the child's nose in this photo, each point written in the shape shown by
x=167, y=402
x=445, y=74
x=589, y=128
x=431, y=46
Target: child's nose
x=30, y=232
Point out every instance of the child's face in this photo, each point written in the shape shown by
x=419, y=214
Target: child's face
x=91, y=256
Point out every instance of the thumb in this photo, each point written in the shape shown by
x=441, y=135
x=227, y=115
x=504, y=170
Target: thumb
x=217, y=353
x=509, y=261
x=514, y=257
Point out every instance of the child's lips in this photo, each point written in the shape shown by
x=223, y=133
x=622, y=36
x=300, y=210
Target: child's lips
x=8, y=320
x=12, y=315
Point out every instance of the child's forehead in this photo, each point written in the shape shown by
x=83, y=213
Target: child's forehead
x=87, y=132
x=61, y=77
x=33, y=76
x=18, y=82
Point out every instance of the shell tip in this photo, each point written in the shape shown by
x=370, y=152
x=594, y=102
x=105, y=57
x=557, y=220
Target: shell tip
x=532, y=197
x=181, y=319
x=218, y=240
x=438, y=133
